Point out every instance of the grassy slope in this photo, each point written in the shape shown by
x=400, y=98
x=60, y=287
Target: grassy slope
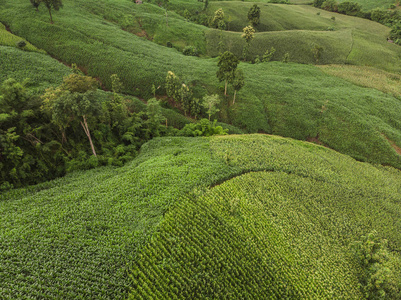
x=295, y=227
x=75, y=237
x=30, y=63
x=354, y=40
x=366, y=4
x=352, y=119
x=368, y=77
x=42, y=70
x=277, y=98
x=9, y=39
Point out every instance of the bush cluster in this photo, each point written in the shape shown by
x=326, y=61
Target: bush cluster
x=190, y=51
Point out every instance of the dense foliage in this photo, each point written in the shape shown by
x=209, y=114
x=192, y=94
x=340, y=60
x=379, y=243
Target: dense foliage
x=42, y=138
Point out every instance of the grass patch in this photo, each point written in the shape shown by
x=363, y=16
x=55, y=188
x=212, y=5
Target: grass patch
x=367, y=77
x=41, y=70
x=9, y=39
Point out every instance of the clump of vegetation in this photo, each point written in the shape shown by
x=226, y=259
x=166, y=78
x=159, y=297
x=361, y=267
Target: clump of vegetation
x=190, y=51
x=183, y=96
x=377, y=279
x=210, y=102
x=202, y=128
x=248, y=36
x=317, y=52
x=254, y=15
x=286, y=57
x=268, y=55
x=21, y=44
x=218, y=19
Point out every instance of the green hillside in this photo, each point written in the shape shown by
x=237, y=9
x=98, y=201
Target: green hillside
x=283, y=99
x=156, y=215
x=41, y=70
x=296, y=29
x=291, y=208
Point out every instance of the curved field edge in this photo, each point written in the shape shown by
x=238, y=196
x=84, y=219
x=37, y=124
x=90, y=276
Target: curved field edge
x=73, y=239
x=271, y=235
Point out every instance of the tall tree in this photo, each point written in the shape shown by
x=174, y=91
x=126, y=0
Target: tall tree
x=210, y=102
x=238, y=82
x=173, y=86
x=52, y=4
x=227, y=64
x=248, y=35
x=73, y=99
x=254, y=15
x=218, y=20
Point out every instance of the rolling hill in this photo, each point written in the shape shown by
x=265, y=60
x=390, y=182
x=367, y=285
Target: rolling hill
x=251, y=216
x=284, y=99
x=292, y=208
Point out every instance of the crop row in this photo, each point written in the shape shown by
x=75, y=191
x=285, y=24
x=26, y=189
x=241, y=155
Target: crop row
x=246, y=239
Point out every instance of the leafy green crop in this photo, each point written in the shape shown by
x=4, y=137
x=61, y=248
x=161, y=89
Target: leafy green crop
x=280, y=234
x=79, y=236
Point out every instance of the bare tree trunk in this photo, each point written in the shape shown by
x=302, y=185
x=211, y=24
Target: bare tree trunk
x=50, y=13
x=225, y=88
x=86, y=129
x=63, y=137
x=235, y=92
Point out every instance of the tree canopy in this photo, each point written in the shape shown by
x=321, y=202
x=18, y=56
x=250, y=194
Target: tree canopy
x=254, y=15
x=51, y=4
x=227, y=64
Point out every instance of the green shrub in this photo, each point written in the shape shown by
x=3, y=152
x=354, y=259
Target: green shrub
x=21, y=44
x=202, y=128
x=318, y=3
x=330, y=5
x=377, y=278
x=190, y=51
x=349, y=8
